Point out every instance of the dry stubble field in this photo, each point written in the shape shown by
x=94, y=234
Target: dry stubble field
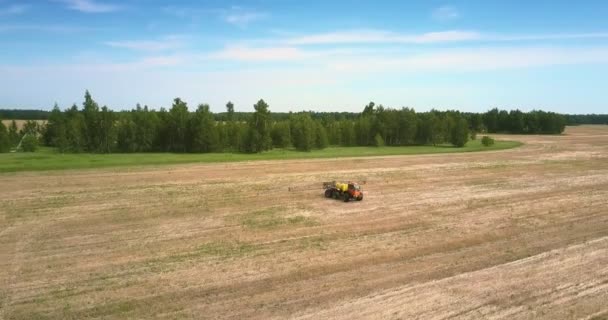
x=521, y=233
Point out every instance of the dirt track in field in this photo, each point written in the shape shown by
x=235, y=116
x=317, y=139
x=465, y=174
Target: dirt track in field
x=520, y=233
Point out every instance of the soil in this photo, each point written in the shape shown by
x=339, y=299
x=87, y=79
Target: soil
x=520, y=233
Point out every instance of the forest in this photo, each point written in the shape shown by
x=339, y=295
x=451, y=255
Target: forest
x=97, y=129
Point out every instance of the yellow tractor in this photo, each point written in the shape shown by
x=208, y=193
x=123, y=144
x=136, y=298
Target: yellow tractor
x=343, y=191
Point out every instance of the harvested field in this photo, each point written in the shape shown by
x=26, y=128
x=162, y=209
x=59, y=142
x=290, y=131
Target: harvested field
x=21, y=123
x=520, y=233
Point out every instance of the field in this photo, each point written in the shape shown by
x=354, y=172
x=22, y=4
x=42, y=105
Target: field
x=49, y=159
x=20, y=123
x=519, y=233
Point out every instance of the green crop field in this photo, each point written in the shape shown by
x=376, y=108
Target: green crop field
x=49, y=159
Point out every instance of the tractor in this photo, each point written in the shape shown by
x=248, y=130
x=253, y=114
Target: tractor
x=343, y=191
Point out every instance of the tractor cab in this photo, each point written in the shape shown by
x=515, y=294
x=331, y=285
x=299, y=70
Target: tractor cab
x=355, y=191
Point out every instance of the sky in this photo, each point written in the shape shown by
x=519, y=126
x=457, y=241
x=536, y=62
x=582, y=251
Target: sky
x=306, y=55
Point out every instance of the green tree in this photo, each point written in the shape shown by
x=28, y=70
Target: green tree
x=107, y=130
x=378, y=141
x=424, y=129
x=178, y=126
x=30, y=127
x=531, y=123
x=164, y=134
x=203, y=134
x=487, y=141
x=438, y=126
x=75, y=130
x=459, y=132
x=504, y=121
x=259, y=128
x=408, y=126
x=368, y=110
x=490, y=120
x=56, y=132
x=385, y=123
x=126, y=140
x=55, y=120
x=93, y=136
x=473, y=135
x=281, y=134
x=29, y=143
x=13, y=134
x=303, y=132
x=146, y=125
x=476, y=122
x=347, y=130
x=230, y=111
x=363, y=130
x=333, y=132
x=243, y=135
x=321, y=140
x=233, y=129
x=516, y=121
x=5, y=143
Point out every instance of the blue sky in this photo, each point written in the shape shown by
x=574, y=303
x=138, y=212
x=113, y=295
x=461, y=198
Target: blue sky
x=312, y=55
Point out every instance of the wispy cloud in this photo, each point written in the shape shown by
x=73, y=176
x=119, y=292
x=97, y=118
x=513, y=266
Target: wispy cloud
x=91, y=6
x=457, y=59
x=242, y=18
x=159, y=61
x=14, y=9
x=162, y=44
x=102, y=64
x=242, y=53
x=44, y=28
x=389, y=37
x=381, y=36
x=553, y=36
x=235, y=15
x=285, y=53
x=476, y=59
x=183, y=12
x=445, y=13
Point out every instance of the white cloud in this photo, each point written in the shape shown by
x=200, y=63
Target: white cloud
x=45, y=28
x=381, y=36
x=240, y=16
x=554, y=36
x=243, y=53
x=159, y=61
x=235, y=15
x=393, y=75
x=14, y=9
x=389, y=37
x=179, y=12
x=476, y=59
x=165, y=43
x=407, y=60
x=283, y=53
x=89, y=63
x=445, y=13
x=243, y=18
x=90, y=6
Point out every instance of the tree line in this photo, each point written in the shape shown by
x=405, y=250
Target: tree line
x=516, y=121
x=577, y=119
x=96, y=129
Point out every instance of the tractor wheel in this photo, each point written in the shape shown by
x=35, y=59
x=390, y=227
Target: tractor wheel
x=346, y=196
x=328, y=193
x=360, y=197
